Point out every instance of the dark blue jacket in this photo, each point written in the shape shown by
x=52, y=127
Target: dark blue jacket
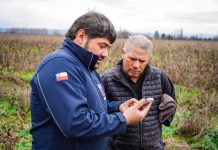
x=68, y=105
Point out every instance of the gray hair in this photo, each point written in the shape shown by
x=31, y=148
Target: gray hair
x=96, y=25
x=140, y=41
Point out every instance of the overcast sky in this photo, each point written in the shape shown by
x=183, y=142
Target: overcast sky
x=193, y=16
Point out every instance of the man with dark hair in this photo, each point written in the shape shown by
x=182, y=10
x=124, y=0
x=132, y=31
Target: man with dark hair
x=134, y=77
x=68, y=104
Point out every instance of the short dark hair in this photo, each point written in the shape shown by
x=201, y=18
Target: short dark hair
x=96, y=25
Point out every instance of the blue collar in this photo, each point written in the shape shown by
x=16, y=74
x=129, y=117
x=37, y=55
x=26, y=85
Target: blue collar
x=87, y=58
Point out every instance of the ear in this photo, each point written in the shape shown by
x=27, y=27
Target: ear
x=80, y=37
x=123, y=53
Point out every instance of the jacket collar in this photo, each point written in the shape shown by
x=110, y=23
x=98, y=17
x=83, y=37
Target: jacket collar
x=87, y=58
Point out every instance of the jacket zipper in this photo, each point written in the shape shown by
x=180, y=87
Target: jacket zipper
x=100, y=95
x=96, y=86
x=140, y=123
x=140, y=134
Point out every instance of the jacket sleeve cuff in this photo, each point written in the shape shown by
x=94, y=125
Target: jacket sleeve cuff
x=113, y=106
x=122, y=120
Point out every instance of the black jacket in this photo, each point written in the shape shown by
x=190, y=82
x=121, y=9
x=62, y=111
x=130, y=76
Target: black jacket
x=148, y=133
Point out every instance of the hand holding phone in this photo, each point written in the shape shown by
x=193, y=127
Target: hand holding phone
x=137, y=112
x=148, y=101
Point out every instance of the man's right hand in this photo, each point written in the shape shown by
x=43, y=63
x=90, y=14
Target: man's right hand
x=137, y=112
x=127, y=104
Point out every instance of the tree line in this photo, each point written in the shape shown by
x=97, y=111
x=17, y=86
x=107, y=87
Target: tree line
x=122, y=33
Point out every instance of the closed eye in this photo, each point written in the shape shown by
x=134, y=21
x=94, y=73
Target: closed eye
x=104, y=45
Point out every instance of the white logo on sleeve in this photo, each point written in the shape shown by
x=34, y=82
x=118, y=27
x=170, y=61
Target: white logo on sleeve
x=62, y=76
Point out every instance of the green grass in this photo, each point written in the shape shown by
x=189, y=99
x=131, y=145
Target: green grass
x=174, y=128
x=185, y=96
x=26, y=76
x=170, y=131
x=186, y=99
x=7, y=109
x=25, y=140
x=209, y=141
x=214, y=121
x=14, y=126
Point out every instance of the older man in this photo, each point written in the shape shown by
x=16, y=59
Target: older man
x=134, y=77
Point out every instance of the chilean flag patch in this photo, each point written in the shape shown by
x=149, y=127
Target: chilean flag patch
x=61, y=76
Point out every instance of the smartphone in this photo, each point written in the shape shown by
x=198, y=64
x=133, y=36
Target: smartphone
x=149, y=100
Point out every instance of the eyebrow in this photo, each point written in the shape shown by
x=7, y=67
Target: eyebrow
x=137, y=58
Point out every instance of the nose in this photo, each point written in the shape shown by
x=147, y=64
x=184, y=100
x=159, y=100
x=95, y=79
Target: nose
x=136, y=64
x=104, y=53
